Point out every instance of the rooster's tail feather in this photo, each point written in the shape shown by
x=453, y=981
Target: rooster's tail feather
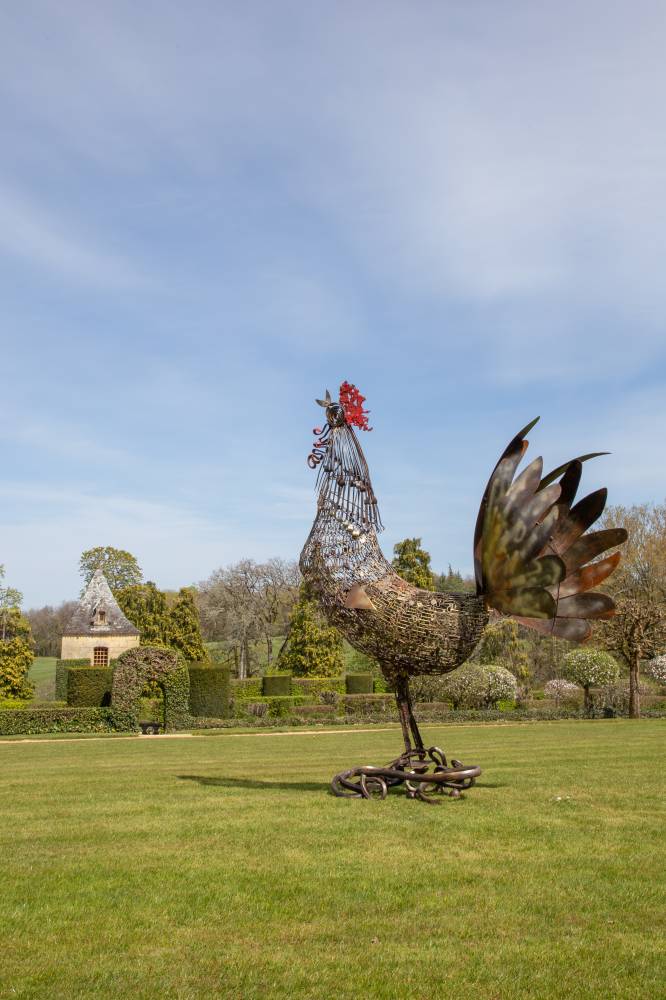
x=532, y=556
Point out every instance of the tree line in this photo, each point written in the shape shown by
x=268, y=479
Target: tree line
x=257, y=616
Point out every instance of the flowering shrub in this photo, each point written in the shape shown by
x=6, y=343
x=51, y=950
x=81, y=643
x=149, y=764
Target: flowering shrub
x=657, y=669
x=561, y=690
x=478, y=685
x=590, y=668
x=498, y=684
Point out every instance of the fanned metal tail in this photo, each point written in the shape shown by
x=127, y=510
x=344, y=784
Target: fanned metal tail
x=533, y=553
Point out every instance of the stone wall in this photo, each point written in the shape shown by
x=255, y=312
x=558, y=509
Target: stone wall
x=78, y=647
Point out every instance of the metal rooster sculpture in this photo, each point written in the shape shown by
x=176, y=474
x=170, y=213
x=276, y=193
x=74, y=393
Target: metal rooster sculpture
x=534, y=559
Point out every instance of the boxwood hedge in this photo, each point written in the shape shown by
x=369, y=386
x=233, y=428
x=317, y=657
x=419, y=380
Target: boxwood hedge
x=359, y=683
x=26, y=721
x=138, y=666
x=62, y=666
x=246, y=687
x=276, y=685
x=209, y=691
x=279, y=706
x=362, y=706
x=315, y=686
x=89, y=686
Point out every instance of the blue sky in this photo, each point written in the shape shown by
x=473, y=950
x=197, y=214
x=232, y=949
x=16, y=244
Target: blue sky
x=211, y=212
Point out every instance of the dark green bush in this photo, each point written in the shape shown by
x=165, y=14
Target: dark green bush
x=62, y=666
x=143, y=665
x=426, y=712
x=16, y=703
x=315, y=712
x=89, y=686
x=653, y=701
x=276, y=685
x=433, y=711
x=278, y=706
x=363, y=706
x=151, y=710
x=359, y=684
x=247, y=687
x=209, y=690
x=29, y=722
x=315, y=686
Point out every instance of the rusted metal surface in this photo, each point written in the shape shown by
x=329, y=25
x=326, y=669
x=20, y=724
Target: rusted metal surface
x=425, y=774
x=532, y=561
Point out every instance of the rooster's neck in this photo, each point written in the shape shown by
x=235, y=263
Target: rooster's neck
x=344, y=489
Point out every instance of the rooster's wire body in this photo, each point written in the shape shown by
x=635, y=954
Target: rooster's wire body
x=533, y=561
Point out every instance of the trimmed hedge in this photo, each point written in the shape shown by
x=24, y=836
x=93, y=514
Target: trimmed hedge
x=276, y=685
x=246, y=687
x=315, y=712
x=62, y=666
x=362, y=706
x=138, y=666
x=462, y=717
x=89, y=686
x=315, y=686
x=278, y=706
x=27, y=722
x=359, y=683
x=209, y=691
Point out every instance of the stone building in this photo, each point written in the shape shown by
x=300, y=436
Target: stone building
x=98, y=629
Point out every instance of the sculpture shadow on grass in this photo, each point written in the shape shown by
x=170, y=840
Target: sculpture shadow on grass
x=226, y=782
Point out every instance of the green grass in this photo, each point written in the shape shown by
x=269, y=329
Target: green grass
x=42, y=674
x=217, y=866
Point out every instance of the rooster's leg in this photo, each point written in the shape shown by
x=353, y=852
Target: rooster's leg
x=407, y=720
x=402, y=699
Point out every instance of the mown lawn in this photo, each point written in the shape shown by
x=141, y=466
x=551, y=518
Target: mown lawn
x=42, y=674
x=217, y=866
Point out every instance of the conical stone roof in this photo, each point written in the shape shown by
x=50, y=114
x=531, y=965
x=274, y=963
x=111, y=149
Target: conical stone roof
x=98, y=598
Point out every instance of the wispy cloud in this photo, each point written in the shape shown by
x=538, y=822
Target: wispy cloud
x=236, y=206
x=50, y=527
x=38, y=237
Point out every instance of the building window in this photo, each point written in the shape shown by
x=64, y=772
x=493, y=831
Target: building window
x=100, y=656
x=101, y=617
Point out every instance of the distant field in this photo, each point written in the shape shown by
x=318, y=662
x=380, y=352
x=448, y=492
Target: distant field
x=219, y=867
x=42, y=674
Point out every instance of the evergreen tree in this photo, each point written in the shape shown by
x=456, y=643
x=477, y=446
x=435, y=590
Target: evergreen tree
x=454, y=581
x=184, y=628
x=146, y=607
x=15, y=662
x=16, y=650
x=412, y=563
x=314, y=649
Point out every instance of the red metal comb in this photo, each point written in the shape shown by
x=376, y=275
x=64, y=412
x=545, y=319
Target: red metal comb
x=352, y=402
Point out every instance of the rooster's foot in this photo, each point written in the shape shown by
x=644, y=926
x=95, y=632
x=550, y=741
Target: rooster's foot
x=424, y=773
